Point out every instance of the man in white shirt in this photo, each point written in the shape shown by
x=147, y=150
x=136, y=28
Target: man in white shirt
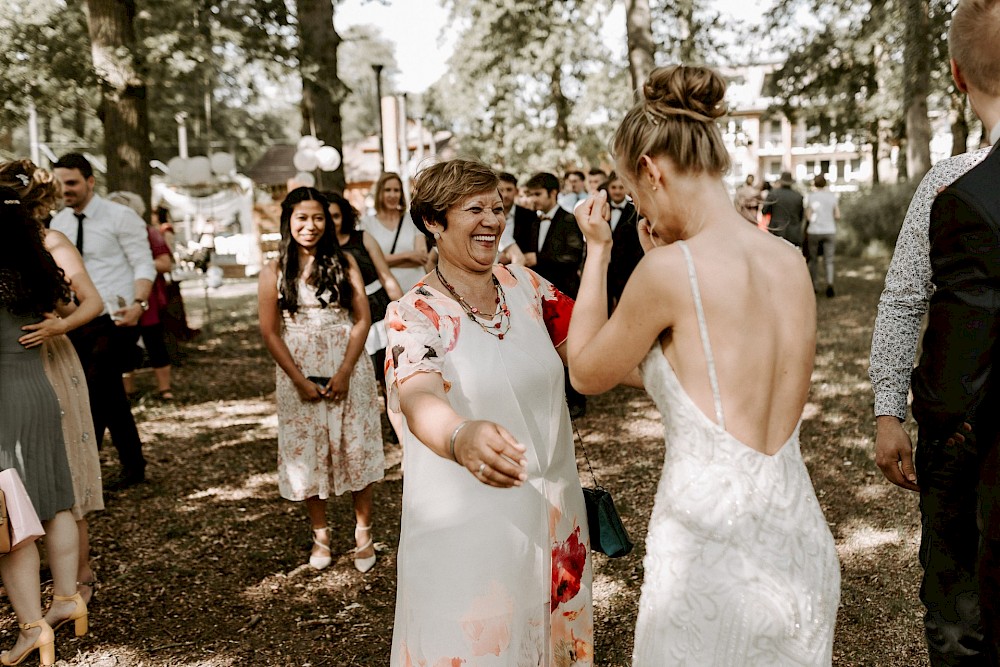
x=115, y=247
x=574, y=190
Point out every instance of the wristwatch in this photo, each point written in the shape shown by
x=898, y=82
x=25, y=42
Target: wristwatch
x=142, y=304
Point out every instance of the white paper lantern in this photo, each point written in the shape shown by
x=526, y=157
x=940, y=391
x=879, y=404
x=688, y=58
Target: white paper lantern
x=310, y=143
x=304, y=179
x=305, y=160
x=328, y=158
x=199, y=170
x=223, y=164
x=177, y=171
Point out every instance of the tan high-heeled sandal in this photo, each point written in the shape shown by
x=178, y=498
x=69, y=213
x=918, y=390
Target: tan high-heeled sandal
x=321, y=562
x=367, y=563
x=79, y=615
x=45, y=643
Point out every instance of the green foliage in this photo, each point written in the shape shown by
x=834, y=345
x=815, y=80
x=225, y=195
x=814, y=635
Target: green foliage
x=871, y=219
x=530, y=86
x=362, y=47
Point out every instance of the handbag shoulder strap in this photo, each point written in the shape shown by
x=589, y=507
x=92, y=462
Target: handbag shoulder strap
x=395, y=239
x=586, y=458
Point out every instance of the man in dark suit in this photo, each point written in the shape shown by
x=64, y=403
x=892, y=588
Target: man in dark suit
x=788, y=215
x=956, y=386
x=626, y=250
x=520, y=221
x=555, y=246
x=555, y=250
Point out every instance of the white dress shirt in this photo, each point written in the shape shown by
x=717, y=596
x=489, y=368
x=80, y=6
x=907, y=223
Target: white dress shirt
x=616, y=213
x=507, y=238
x=544, y=224
x=115, y=247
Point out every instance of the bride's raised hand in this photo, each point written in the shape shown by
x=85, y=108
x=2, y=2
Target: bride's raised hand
x=592, y=216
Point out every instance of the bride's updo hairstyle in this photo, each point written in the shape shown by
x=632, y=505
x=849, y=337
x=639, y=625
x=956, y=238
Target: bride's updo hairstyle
x=676, y=118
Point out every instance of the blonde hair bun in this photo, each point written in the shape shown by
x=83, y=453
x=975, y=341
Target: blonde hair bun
x=694, y=92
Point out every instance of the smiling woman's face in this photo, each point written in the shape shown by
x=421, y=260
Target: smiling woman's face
x=472, y=237
x=308, y=224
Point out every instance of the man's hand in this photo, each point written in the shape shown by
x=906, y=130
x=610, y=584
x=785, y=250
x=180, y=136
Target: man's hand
x=128, y=316
x=894, y=452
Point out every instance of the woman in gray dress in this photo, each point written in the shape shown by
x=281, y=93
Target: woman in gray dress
x=31, y=439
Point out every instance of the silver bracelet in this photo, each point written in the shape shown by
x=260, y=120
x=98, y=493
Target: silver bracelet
x=454, y=436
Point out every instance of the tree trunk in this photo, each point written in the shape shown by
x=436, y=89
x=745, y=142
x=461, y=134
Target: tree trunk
x=916, y=57
x=561, y=104
x=322, y=89
x=641, y=47
x=688, y=49
x=959, y=125
x=124, y=115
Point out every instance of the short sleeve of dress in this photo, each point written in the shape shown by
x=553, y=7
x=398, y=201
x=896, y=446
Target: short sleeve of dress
x=557, y=308
x=415, y=343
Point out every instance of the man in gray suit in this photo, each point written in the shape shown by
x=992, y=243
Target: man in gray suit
x=787, y=211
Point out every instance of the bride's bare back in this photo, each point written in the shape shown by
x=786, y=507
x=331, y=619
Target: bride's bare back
x=761, y=321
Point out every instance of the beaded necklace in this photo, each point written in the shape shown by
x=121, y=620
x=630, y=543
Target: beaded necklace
x=473, y=312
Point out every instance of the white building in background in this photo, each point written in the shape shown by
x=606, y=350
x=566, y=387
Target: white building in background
x=764, y=142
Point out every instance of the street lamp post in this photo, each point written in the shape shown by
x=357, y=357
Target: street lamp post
x=381, y=121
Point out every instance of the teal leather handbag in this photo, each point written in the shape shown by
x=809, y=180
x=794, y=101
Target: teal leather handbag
x=607, y=532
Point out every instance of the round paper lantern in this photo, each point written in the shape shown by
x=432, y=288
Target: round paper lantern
x=199, y=170
x=305, y=159
x=328, y=158
x=305, y=179
x=223, y=164
x=177, y=171
x=309, y=142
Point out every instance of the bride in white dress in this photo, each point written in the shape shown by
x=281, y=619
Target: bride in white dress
x=720, y=319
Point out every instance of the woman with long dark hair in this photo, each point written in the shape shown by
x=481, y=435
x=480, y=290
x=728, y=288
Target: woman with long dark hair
x=314, y=319
x=31, y=439
x=39, y=193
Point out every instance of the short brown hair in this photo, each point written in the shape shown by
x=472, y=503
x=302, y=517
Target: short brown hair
x=380, y=188
x=974, y=43
x=676, y=119
x=38, y=189
x=444, y=184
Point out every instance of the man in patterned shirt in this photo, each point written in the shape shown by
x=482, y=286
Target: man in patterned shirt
x=947, y=485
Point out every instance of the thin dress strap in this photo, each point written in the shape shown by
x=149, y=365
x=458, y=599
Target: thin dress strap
x=703, y=329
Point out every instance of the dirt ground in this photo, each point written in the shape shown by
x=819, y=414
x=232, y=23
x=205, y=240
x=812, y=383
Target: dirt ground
x=205, y=564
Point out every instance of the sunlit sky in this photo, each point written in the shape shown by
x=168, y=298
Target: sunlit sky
x=424, y=42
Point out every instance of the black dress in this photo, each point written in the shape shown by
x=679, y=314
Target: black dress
x=378, y=300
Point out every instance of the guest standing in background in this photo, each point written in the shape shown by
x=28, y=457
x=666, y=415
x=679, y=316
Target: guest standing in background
x=314, y=319
x=31, y=441
x=823, y=213
x=115, y=247
x=404, y=248
x=150, y=324
x=39, y=192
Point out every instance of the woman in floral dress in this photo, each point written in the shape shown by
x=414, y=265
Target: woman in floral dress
x=494, y=554
x=314, y=320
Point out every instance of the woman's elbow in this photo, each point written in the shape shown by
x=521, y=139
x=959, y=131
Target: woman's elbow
x=586, y=383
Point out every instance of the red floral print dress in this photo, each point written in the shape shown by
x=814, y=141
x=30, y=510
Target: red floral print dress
x=491, y=577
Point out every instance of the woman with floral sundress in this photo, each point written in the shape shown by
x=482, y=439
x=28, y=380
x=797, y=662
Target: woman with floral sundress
x=314, y=320
x=494, y=565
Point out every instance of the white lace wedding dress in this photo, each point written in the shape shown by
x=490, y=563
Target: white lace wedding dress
x=740, y=565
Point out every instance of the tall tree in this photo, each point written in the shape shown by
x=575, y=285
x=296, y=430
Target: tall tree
x=123, y=112
x=916, y=56
x=322, y=89
x=641, y=47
